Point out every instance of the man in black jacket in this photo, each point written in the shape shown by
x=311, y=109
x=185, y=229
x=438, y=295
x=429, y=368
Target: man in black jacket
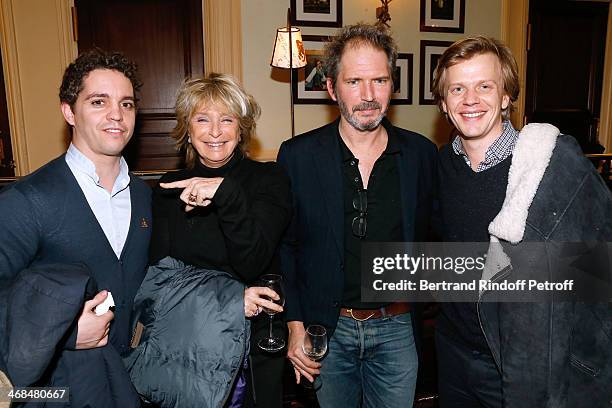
x=83, y=207
x=499, y=185
x=354, y=180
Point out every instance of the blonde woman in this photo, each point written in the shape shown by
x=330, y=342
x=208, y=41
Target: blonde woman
x=225, y=211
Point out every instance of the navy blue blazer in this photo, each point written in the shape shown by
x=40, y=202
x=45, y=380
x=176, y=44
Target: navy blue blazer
x=45, y=218
x=312, y=252
x=43, y=303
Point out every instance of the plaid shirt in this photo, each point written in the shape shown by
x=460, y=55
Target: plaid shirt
x=497, y=152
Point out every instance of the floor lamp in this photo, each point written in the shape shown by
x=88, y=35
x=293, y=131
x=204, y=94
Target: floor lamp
x=289, y=38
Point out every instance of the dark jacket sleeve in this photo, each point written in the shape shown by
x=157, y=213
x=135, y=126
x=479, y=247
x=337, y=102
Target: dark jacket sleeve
x=162, y=203
x=288, y=248
x=253, y=228
x=436, y=214
x=20, y=237
x=43, y=304
x=19, y=233
x=19, y=240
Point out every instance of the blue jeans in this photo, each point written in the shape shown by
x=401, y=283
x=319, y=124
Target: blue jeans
x=369, y=364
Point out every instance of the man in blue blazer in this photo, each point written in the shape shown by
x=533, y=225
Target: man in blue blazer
x=84, y=208
x=356, y=179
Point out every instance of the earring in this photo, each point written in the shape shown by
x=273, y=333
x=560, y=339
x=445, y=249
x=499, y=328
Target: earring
x=189, y=139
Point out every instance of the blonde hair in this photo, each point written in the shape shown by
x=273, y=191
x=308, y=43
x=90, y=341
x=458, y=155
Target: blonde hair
x=467, y=48
x=214, y=89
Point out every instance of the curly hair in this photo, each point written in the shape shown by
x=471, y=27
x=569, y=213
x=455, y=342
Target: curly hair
x=214, y=89
x=468, y=48
x=357, y=35
x=77, y=71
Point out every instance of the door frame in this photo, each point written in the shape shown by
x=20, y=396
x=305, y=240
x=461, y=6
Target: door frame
x=515, y=33
x=605, y=117
x=11, y=82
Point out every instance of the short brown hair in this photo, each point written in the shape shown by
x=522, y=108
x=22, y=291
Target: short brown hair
x=468, y=48
x=359, y=34
x=220, y=89
x=77, y=71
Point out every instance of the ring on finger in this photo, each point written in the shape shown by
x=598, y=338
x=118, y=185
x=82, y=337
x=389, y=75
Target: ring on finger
x=192, y=197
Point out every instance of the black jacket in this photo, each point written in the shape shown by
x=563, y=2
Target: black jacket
x=553, y=353
x=312, y=252
x=44, y=304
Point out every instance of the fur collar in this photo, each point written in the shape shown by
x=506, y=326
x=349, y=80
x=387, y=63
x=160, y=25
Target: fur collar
x=530, y=159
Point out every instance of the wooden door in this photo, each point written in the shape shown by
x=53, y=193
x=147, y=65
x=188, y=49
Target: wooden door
x=164, y=37
x=565, y=67
x=7, y=166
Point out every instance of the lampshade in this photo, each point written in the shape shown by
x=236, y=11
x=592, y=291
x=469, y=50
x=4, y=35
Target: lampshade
x=280, y=55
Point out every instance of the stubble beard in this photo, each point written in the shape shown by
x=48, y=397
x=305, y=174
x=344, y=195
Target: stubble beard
x=352, y=119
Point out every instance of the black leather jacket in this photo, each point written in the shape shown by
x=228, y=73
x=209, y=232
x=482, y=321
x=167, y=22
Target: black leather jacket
x=554, y=353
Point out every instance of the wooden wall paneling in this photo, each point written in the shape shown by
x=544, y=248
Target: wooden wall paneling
x=165, y=39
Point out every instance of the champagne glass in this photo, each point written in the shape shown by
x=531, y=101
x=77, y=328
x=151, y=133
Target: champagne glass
x=314, y=346
x=274, y=282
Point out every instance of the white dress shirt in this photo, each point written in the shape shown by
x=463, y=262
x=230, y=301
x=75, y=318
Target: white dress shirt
x=113, y=211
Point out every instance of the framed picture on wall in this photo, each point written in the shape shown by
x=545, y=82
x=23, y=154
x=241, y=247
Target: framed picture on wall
x=430, y=53
x=310, y=84
x=447, y=16
x=316, y=13
x=402, y=80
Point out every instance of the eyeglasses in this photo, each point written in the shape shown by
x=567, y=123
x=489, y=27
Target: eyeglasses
x=360, y=203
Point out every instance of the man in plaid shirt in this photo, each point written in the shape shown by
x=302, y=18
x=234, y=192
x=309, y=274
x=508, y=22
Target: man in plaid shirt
x=499, y=185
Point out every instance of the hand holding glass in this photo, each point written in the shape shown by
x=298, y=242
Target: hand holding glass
x=274, y=282
x=315, y=345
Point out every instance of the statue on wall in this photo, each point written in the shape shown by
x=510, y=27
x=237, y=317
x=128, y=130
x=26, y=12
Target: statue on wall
x=382, y=13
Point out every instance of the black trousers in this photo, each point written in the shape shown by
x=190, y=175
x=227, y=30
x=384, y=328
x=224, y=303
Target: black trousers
x=466, y=378
x=265, y=384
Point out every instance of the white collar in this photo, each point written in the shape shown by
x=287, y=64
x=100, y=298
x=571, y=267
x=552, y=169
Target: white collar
x=81, y=163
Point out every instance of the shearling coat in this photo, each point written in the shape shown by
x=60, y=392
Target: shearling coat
x=551, y=354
